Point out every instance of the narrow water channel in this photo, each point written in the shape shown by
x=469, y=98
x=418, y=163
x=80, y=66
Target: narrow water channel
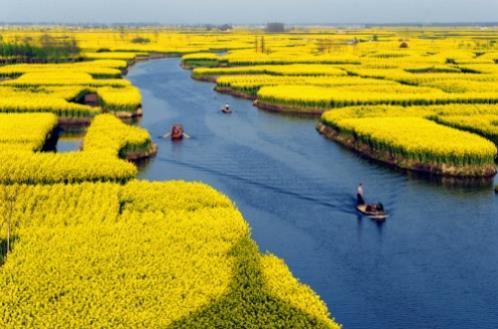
x=65, y=139
x=433, y=264
x=69, y=144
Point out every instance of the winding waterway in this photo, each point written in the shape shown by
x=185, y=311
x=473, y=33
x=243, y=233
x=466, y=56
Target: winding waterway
x=433, y=264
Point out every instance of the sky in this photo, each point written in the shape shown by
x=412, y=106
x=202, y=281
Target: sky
x=248, y=11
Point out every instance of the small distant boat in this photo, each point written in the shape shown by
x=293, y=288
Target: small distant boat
x=177, y=132
x=226, y=109
x=374, y=211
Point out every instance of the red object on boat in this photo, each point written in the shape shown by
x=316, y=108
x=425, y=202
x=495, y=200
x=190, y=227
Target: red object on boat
x=176, y=132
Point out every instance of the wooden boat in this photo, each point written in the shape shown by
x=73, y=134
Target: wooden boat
x=176, y=132
x=374, y=211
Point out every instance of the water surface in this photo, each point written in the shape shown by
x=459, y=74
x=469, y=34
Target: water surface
x=433, y=264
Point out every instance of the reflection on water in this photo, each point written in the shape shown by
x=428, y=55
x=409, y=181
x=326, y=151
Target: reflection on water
x=432, y=264
x=463, y=183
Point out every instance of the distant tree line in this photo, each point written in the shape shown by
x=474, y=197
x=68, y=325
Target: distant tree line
x=45, y=49
x=223, y=28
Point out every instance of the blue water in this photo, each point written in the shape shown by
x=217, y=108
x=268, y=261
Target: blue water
x=68, y=145
x=433, y=264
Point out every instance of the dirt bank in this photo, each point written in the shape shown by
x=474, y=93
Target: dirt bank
x=351, y=142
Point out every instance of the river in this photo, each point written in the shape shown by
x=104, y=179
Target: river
x=432, y=264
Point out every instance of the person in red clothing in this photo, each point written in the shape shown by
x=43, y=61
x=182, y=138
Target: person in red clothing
x=176, y=132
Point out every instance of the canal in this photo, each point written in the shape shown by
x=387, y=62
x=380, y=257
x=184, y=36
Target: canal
x=433, y=264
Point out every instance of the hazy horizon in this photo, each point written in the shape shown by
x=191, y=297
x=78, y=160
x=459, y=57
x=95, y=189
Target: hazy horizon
x=176, y=12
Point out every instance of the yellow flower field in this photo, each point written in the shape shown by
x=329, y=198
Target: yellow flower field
x=26, y=131
x=127, y=99
x=286, y=70
x=420, y=140
x=302, y=96
x=15, y=100
x=92, y=240
x=484, y=125
x=107, y=142
x=144, y=255
x=62, y=78
x=109, y=134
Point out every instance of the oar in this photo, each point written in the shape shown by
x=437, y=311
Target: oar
x=169, y=135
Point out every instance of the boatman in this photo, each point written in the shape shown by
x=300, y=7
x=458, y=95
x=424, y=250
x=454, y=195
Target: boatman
x=226, y=109
x=360, y=199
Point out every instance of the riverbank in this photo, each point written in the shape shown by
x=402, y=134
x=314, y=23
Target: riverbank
x=234, y=93
x=353, y=143
x=135, y=156
x=86, y=121
x=311, y=111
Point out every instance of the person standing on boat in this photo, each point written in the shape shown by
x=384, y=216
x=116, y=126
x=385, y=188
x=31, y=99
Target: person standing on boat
x=360, y=199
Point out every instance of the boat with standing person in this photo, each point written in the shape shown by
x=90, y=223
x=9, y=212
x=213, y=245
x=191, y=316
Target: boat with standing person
x=374, y=211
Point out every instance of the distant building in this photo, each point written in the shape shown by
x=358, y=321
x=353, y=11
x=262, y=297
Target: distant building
x=275, y=27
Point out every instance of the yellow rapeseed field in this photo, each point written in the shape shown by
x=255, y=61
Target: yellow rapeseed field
x=25, y=131
x=92, y=240
x=146, y=255
x=108, y=141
